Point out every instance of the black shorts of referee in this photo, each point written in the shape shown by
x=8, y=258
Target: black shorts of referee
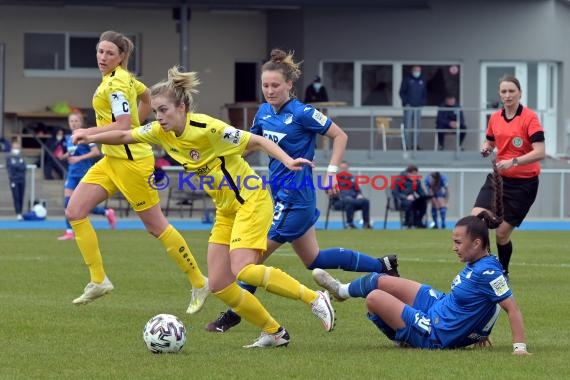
x=518, y=196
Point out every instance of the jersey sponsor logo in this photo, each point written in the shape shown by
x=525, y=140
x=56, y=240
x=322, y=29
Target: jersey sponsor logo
x=232, y=135
x=499, y=285
x=319, y=117
x=203, y=170
x=288, y=119
x=266, y=117
x=517, y=142
x=456, y=281
x=274, y=136
x=146, y=128
x=194, y=154
x=489, y=272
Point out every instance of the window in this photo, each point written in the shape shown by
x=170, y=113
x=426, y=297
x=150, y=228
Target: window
x=377, y=84
x=64, y=54
x=338, y=79
x=441, y=80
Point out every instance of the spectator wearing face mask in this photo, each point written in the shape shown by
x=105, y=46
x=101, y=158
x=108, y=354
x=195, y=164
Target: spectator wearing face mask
x=316, y=92
x=413, y=92
x=56, y=146
x=17, y=175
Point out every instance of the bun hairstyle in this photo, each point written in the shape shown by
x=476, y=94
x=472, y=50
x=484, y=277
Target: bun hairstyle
x=179, y=87
x=283, y=62
x=494, y=218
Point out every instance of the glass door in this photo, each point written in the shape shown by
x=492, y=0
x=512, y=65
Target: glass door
x=546, y=103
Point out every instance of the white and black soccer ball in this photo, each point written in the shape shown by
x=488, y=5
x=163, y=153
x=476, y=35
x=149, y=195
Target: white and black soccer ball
x=164, y=333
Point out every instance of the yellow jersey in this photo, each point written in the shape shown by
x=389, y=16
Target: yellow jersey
x=118, y=95
x=212, y=150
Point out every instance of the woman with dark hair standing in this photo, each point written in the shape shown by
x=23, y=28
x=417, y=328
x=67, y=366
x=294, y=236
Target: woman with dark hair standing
x=515, y=132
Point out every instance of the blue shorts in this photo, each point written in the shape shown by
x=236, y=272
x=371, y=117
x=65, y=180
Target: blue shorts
x=441, y=193
x=291, y=221
x=72, y=182
x=419, y=332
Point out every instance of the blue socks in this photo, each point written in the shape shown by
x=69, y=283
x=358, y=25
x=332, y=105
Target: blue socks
x=65, y=202
x=346, y=259
x=443, y=214
x=434, y=215
x=362, y=286
x=337, y=258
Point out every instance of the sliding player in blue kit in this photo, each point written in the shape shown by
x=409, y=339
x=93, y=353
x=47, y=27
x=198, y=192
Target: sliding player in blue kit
x=294, y=126
x=417, y=315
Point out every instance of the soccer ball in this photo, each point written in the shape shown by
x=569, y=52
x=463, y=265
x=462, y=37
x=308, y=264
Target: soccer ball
x=164, y=333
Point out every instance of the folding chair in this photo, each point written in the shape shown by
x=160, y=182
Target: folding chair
x=335, y=204
x=393, y=205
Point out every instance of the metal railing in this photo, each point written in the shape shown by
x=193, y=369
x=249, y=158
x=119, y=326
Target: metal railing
x=473, y=117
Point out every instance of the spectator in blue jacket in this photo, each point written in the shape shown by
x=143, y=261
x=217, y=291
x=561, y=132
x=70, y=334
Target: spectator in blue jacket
x=411, y=197
x=446, y=122
x=352, y=199
x=413, y=92
x=16, y=167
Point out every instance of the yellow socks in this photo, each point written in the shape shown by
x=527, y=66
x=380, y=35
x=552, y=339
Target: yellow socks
x=179, y=251
x=276, y=281
x=88, y=244
x=247, y=306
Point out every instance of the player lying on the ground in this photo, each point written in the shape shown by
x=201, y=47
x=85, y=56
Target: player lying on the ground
x=417, y=315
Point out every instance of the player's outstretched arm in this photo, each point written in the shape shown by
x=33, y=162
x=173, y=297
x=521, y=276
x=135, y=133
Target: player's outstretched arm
x=116, y=137
x=517, y=326
x=259, y=143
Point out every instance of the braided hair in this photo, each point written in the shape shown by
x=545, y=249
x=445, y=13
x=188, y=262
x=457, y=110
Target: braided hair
x=495, y=217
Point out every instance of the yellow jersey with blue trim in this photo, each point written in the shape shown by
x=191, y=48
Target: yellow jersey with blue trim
x=117, y=95
x=211, y=152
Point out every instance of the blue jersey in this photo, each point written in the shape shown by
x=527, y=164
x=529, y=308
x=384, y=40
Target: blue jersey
x=294, y=128
x=471, y=309
x=80, y=168
x=438, y=190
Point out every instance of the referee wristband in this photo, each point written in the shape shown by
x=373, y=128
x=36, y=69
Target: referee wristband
x=332, y=169
x=519, y=347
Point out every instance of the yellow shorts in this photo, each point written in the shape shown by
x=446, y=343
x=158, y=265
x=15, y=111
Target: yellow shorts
x=131, y=178
x=247, y=225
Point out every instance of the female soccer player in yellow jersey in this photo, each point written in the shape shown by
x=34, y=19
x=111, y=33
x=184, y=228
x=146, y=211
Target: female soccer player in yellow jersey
x=124, y=168
x=244, y=209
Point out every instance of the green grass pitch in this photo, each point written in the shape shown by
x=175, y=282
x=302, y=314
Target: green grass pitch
x=42, y=335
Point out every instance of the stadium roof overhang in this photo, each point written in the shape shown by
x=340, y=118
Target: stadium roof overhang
x=223, y=4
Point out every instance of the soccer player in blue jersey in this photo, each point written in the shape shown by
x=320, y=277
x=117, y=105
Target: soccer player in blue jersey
x=80, y=158
x=294, y=126
x=436, y=187
x=417, y=315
